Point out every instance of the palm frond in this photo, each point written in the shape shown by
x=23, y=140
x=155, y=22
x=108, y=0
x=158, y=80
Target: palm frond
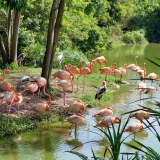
x=153, y=62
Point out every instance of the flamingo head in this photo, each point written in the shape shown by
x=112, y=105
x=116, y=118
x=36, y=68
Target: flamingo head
x=137, y=57
x=117, y=120
x=82, y=107
x=125, y=65
x=141, y=128
x=16, y=99
x=47, y=108
x=104, y=61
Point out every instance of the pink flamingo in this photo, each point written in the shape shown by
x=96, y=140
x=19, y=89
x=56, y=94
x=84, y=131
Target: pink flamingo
x=107, y=121
x=104, y=112
x=65, y=84
x=7, y=86
x=84, y=71
x=140, y=115
x=8, y=98
x=76, y=106
x=133, y=67
x=75, y=120
x=3, y=74
x=107, y=70
x=123, y=71
x=134, y=127
x=100, y=60
x=42, y=82
x=62, y=75
x=72, y=70
x=18, y=99
x=32, y=88
x=42, y=107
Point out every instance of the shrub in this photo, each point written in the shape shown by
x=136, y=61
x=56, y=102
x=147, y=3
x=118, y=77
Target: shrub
x=134, y=37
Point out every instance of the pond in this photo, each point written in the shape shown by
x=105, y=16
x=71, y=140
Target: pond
x=51, y=143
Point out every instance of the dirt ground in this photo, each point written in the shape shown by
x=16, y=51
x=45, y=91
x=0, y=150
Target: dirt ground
x=30, y=101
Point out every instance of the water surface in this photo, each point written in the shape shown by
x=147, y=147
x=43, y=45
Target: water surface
x=51, y=143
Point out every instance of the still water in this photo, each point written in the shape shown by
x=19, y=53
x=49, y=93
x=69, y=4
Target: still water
x=51, y=143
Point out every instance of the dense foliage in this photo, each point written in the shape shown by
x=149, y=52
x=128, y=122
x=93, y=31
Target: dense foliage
x=89, y=26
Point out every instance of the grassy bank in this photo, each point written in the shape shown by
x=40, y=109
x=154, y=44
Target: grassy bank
x=15, y=123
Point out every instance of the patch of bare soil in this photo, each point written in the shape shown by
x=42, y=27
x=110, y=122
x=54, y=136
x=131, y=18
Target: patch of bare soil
x=30, y=101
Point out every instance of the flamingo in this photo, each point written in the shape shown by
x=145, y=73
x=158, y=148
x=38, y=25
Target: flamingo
x=107, y=121
x=3, y=76
x=62, y=75
x=32, y=88
x=133, y=67
x=8, y=98
x=134, y=127
x=142, y=72
x=76, y=106
x=152, y=89
x=100, y=60
x=84, y=71
x=59, y=59
x=18, y=99
x=42, y=107
x=123, y=71
x=116, y=72
x=73, y=70
x=104, y=112
x=92, y=63
x=7, y=86
x=42, y=82
x=75, y=120
x=153, y=76
x=101, y=91
x=65, y=84
x=107, y=70
x=142, y=85
x=140, y=115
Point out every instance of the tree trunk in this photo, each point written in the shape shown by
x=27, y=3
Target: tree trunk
x=9, y=32
x=14, y=37
x=50, y=38
x=58, y=26
x=3, y=51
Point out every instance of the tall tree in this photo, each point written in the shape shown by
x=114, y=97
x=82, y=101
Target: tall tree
x=55, y=21
x=14, y=9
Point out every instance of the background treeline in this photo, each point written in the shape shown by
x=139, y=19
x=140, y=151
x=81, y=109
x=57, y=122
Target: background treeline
x=89, y=26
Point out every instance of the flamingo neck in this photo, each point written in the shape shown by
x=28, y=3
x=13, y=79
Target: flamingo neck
x=91, y=67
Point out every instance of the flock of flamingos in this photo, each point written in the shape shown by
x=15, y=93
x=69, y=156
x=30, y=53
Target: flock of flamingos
x=12, y=100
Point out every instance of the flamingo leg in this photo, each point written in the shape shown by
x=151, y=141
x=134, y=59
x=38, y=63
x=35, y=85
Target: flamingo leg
x=77, y=81
x=83, y=83
x=64, y=97
x=75, y=130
